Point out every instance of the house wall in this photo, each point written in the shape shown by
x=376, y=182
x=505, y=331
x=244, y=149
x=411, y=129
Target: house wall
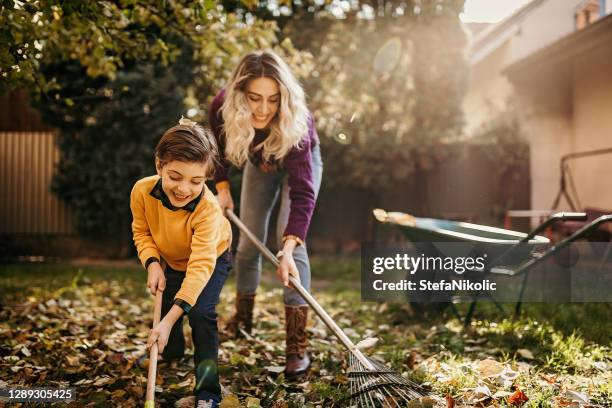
x=544, y=25
x=550, y=136
x=592, y=127
x=544, y=96
x=488, y=90
x=564, y=108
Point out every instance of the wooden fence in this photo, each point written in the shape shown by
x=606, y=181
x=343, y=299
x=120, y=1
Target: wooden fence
x=27, y=206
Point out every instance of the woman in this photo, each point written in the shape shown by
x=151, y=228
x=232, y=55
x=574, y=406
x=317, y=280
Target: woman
x=261, y=122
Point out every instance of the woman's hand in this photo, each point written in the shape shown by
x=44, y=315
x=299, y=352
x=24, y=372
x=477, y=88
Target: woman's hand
x=155, y=278
x=225, y=199
x=159, y=334
x=287, y=266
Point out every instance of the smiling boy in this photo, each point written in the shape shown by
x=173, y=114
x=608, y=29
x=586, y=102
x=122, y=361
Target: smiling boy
x=177, y=218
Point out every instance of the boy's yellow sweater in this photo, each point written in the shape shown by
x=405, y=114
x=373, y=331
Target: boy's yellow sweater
x=188, y=241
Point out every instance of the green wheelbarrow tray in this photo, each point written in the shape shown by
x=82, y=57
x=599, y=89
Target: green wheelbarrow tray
x=428, y=234
x=492, y=241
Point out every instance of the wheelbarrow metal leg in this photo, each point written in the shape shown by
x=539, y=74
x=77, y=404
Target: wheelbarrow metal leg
x=455, y=311
x=470, y=313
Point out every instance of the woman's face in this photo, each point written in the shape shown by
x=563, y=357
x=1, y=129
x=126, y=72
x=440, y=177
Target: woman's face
x=263, y=96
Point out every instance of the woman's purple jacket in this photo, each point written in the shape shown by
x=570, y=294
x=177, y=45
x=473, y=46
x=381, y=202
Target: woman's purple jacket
x=297, y=163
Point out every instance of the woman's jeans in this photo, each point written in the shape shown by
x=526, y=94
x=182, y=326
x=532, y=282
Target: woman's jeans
x=259, y=193
x=203, y=322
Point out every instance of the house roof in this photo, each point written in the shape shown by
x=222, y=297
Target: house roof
x=475, y=27
x=490, y=38
x=578, y=42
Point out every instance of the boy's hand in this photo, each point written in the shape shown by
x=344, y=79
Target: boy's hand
x=159, y=334
x=156, y=280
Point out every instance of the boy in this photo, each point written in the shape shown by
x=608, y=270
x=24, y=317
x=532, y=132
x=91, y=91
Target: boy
x=177, y=218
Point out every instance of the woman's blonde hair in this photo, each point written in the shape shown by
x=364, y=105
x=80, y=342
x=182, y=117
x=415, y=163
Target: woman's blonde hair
x=289, y=125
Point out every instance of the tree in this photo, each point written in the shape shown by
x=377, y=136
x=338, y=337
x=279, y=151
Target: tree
x=111, y=77
x=387, y=82
x=390, y=93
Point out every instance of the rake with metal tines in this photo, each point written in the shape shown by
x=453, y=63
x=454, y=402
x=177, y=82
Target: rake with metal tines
x=371, y=383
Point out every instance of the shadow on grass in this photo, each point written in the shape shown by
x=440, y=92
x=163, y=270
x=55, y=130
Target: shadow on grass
x=18, y=281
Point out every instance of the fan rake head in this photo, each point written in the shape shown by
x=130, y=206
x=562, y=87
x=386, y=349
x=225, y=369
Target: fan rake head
x=383, y=388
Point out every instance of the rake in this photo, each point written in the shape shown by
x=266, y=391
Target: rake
x=150, y=396
x=371, y=383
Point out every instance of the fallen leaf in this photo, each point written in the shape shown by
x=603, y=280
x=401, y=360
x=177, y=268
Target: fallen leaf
x=577, y=396
x=230, y=401
x=490, y=368
x=526, y=354
x=185, y=402
x=73, y=361
x=237, y=359
x=501, y=394
x=413, y=359
x=479, y=394
x=483, y=390
x=450, y=401
x=426, y=402
x=119, y=393
x=280, y=404
x=119, y=325
x=253, y=402
x=367, y=343
x=518, y=398
x=185, y=383
x=103, y=380
x=275, y=369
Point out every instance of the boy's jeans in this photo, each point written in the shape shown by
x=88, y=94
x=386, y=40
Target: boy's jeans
x=203, y=322
x=259, y=193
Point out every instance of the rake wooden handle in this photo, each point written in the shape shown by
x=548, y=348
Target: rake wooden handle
x=150, y=399
x=318, y=309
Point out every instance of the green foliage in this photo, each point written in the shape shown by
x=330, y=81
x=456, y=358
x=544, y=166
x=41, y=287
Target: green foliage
x=112, y=76
x=107, y=141
x=385, y=86
x=507, y=149
x=104, y=36
x=387, y=92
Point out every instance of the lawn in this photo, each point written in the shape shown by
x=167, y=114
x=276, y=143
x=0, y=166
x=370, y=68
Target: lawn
x=86, y=327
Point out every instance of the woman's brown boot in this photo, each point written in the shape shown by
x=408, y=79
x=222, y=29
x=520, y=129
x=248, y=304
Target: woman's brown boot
x=297, y=360
x=242, y=319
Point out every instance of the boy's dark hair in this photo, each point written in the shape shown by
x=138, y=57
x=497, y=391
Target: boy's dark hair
x=188, y=142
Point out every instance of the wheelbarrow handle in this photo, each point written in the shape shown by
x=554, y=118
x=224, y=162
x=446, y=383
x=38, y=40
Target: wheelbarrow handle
x=569, y=216
x=318, y=309
x=553, y=219
x=556, y=217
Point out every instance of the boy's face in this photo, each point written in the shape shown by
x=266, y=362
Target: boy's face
x=182, y=181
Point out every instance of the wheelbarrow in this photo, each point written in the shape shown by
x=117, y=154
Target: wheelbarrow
x=501, y=245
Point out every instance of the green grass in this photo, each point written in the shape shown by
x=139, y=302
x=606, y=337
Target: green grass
x=568, y=341
x=54, y=279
